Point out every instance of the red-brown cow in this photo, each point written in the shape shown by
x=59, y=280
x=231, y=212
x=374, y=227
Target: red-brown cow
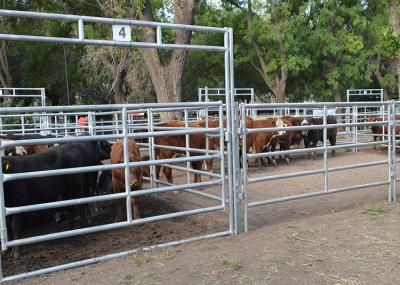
x=378, y=131
x=118, y=175
x=197, y=141
x=261, y=141
x=213, y=141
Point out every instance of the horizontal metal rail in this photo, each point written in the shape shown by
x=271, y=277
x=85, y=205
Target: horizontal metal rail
x=194, y=171
x=112, y=226
x=192, y=131
x=113, y=21
x=74, y=170
x=316, y=171
x=193, y=191
x=134, y=107
x=109, y=197
x=108, y=257
x=314, y=194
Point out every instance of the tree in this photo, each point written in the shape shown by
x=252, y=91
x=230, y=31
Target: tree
x=272, y=33
x=165, y=67
x=340, y=57
x=394, y=21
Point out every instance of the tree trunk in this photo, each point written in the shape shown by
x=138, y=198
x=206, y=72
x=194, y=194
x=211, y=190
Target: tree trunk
x=337, y=96
x=277, y=84
x=120, y=72
x=378, y=74
x=394, y=21
x=167, y=77
x=6, y=79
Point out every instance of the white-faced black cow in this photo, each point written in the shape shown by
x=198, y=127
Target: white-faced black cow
x=311, y=137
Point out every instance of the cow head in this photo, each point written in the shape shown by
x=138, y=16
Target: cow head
x=280, y=124
x=304, y=123
x=103, y=149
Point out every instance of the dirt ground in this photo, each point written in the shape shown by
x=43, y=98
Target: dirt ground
x=350, y=247
x=345, y=238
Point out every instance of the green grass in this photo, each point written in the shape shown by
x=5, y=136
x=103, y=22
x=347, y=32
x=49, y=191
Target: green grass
x=141, y=259
x=208, y=247
x=231, y=264
x=377, y=209
x=126, y=280
x=292, y=226
x=168, y=255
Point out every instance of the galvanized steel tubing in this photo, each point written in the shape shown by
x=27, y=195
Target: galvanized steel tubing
x=354, y=123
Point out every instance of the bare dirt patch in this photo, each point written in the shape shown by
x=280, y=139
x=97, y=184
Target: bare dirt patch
x=357, y=246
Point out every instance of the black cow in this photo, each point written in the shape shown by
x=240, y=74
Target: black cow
x=311, y=137
x=104, y=185
x=51, y=188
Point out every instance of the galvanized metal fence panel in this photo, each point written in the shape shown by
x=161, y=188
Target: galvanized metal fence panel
x=386, y=121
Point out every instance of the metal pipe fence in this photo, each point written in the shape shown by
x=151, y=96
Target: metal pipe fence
x=129, y=131
x=386, y=121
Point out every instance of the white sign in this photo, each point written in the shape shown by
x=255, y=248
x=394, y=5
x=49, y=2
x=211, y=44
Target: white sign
x=319, y=113
x=122, y=33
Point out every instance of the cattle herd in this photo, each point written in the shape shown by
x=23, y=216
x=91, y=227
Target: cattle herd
x=44, y=157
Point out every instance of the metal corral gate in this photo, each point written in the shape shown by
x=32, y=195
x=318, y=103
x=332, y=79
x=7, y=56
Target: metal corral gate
x=388, y=122
x=232, y=170
x=207, y=94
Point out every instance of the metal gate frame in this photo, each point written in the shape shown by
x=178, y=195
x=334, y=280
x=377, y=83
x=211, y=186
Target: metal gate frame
x=389, y=140
x=230, y=134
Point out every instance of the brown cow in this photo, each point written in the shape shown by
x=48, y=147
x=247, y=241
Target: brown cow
x=291, y=137
x=118, y=175
x=214, y=142
x=197, y=141
x=378, y=131
x=261, y=141
x=26, y=149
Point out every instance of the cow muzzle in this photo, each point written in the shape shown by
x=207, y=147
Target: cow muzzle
x=304, y=123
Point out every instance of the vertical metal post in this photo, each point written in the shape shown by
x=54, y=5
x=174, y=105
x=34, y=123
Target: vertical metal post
x=3, y=224
x=81, y=31
x=207, y=137
x=198, y=112
x=325, y=134
x=126, y=162
x=23, y=124
x=43, y=96
x=392, y=151
x=234, y=137
x=65, y=125
x=159, y=35
x=222, y=151
x=228, y=138
x=253, y=111
x=56, y=124
x=243, y=131
x=152, y=155
x=116, y=123
x=187, y=145
x=354, y=128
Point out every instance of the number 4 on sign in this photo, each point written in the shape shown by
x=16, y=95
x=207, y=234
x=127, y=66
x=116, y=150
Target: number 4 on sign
x=122, y=33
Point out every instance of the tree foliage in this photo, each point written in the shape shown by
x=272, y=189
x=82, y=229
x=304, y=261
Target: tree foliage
x=292, y=50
